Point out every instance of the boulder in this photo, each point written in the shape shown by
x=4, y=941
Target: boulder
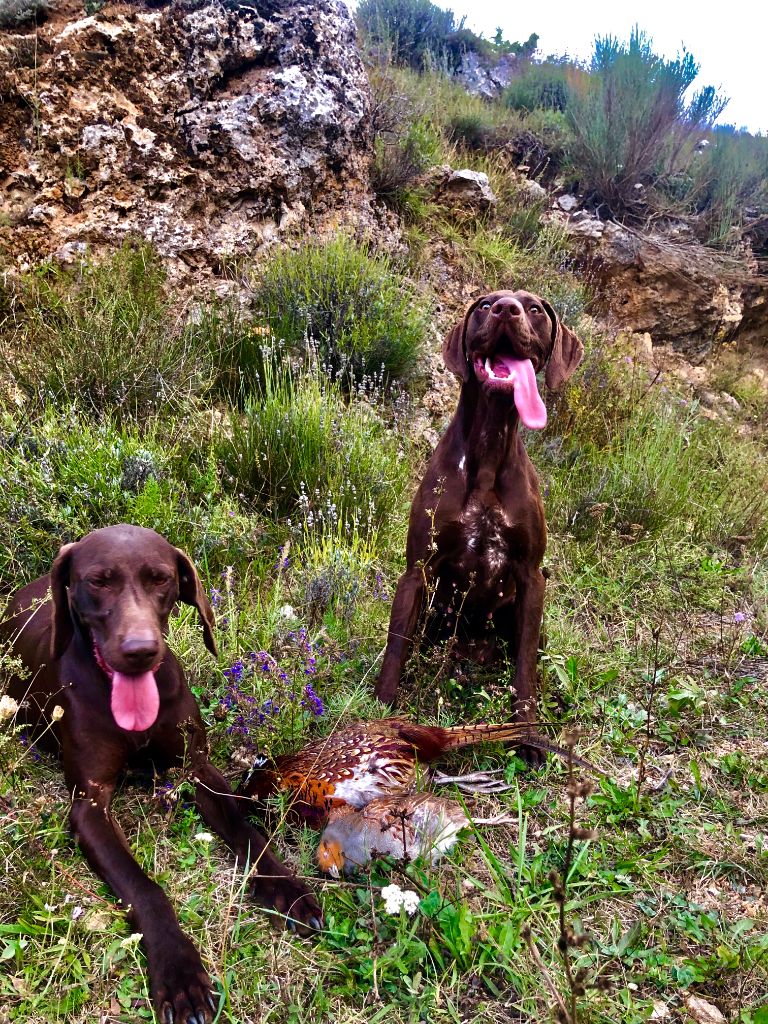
x=210, y=127
x=670, y=286
x=467, y=189
x=486, y=77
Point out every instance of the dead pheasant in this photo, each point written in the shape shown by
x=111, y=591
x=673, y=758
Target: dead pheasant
x=405, y=827
x=373, y=759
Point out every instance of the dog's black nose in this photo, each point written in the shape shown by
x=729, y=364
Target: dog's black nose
x=507, y=306
x=140, y=648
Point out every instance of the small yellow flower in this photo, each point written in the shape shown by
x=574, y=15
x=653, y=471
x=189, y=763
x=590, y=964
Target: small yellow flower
x=8, y=707
x=57, y=713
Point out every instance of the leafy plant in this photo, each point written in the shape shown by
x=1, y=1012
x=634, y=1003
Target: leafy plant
x=361, y=315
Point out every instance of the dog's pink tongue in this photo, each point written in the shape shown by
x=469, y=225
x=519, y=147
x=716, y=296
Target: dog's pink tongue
x=528, y=403
x=135, y=700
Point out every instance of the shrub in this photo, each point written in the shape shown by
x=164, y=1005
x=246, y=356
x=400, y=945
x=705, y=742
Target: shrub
x=231, y=343
x=729, y=177
x=361, y=315
x=631, y=124
x=304, y=453
x=63, y=476
x=646, y=464
x=540, y=87
x=413, y=31
x=103, y=336
x=473, y=130
x=400, y=160
x=14, y=13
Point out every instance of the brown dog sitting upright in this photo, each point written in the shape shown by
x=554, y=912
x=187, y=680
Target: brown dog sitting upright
x=97, y=649
x=477, y=533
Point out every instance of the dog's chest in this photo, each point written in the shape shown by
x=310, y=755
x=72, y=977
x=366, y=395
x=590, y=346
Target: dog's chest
x=489, y=542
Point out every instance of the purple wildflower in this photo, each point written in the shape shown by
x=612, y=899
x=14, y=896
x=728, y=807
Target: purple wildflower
x=26, y=742
x=235, y=673
x=313, y=700
x=282, y=562
x=739, y=617
x=379, y=589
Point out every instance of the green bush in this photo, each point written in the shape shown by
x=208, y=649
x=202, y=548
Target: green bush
x=353, y=307
x=631, y=123
x=729, y=177
x=473, y=130
x=14, y=13
x=304, y=453
x=414, y=32
x=540, y=87
x=63, y=476
x=400, y=160
x=647, y=464
x=103, y=336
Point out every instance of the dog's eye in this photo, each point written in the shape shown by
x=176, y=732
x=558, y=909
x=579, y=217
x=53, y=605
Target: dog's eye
x=98, y=582
x=485, y=305
x=534, y=308
x=160, y=579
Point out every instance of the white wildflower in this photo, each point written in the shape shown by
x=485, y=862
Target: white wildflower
x=77, y=913
x=8, y=707
x=393, y=898
x=57, y=713
x=396, y=898
x=132, y=940
x=204, y=837
x=410, y=902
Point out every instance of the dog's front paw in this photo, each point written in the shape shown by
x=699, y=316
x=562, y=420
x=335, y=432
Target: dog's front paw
x=292, y=899
x=181, y=987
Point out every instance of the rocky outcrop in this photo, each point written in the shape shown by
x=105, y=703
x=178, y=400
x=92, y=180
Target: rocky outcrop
x=670, y=285
x=487, y=78
x=209, y=127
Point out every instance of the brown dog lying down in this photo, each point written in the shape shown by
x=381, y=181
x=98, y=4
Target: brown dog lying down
x=97, y=649
x=477, y=533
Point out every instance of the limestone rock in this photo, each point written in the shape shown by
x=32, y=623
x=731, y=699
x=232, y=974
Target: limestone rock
x=210, y=127
x=702, y=1011
x=567, y=202
x=469, y=189
x=482, y=77
x=679, y=292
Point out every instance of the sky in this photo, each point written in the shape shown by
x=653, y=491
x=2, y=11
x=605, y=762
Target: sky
x=728, y=39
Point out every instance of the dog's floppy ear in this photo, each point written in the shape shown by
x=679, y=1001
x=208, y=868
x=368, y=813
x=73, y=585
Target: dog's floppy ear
x=62, y=628
x=191, y=592
x=567, y=352
x=454, y=353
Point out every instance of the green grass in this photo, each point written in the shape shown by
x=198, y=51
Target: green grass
x=103, y=335
x=304, y=453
